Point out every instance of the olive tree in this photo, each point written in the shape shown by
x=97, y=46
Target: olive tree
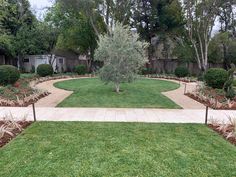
x=122, y=54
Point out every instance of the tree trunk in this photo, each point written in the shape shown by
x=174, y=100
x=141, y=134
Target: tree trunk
x=117, y=85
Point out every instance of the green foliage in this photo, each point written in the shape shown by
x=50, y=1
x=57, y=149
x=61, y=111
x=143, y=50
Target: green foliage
x=8, y=74
x=228, y=86
x=184, y=52
x=123, y=55
x=80, y=69
x=44, y=70
x=181, y=71
x=216, y=77
x=32, y=70
x=151, y=17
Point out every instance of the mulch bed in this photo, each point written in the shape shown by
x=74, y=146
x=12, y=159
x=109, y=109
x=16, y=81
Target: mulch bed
x=210, y=105
x=232, y=140
x=172, y=78
x=7, y=138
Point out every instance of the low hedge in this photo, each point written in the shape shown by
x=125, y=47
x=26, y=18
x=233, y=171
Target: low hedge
x=216, y=78
x=80, y=69
x=8, y=74
x=44, y=70
x=181, y=71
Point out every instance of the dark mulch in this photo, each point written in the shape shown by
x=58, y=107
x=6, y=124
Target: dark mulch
x=207, y=103
x=7, y=138
x=232, y=140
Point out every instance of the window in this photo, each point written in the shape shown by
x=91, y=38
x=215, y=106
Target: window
x=26, y=60
x=61, y=61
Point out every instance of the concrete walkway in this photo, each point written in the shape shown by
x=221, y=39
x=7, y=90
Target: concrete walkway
x=56, y=95
x=117, y=115
x=182, y=100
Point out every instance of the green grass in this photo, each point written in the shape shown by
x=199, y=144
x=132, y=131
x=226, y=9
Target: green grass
x=72, y=149
x=144, y=93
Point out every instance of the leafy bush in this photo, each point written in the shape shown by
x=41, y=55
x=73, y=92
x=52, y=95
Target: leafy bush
x=8, y=74
x=200, y=77
x=32, y=69
x=181, y=71
x=44, y=70
x=216, y=77
x=228, y=86
x=80, y=69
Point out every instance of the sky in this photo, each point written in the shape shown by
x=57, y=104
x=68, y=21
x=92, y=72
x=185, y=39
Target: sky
x=39, y=6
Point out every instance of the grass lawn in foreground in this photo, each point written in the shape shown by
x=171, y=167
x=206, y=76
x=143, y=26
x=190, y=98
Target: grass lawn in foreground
x=143, y=93
x=73, y=149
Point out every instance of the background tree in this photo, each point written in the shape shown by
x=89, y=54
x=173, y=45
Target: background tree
x=123, y=55
x=201, y=16
x=151, y=17
x=75, y=31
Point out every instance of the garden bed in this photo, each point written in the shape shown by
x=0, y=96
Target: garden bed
x=172, y=77
x=230, y=129
x=7, y=138
x=24, y=92
x=213, y=98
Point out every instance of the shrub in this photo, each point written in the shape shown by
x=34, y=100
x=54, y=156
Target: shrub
x=80, y=69
x=181, y=71
x=44, y=70
x=8, y=74
x=216, y=77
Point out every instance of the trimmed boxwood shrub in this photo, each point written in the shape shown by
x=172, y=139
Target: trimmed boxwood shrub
x=80, y=69
x=44, y=70
x=8, y=74
x=181, y=71
x=215, y=78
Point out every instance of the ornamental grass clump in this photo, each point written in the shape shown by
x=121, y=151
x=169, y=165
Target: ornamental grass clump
x=122, y=54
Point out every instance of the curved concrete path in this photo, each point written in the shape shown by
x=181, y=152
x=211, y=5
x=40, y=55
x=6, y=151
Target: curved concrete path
x=58, y=95
x=182, y=100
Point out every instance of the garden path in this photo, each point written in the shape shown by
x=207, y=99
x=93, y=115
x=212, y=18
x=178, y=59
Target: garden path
x=56, y=95
x=182, y=100
x=117, y=115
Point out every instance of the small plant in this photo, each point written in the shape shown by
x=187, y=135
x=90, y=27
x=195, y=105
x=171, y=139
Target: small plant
x=80, y=69
x=44, y=70
x=10, y=125
x=4, y=130
x=8, y=74
x=32, y=69
x=228, y=86
x=181, y=71
x=216, y=77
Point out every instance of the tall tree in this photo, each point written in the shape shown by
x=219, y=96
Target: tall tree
x=157, y=16
x=201, y=16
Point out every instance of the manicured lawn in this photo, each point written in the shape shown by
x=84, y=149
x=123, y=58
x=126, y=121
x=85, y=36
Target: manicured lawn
x=49, y=149
x=144, y=93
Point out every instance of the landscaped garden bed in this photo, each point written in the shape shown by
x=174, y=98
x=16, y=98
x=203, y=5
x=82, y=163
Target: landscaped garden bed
x=226, y=130
x=24, y=92
x=213, y=98
x=114, y=149
x=173, y=77
x=9, y=129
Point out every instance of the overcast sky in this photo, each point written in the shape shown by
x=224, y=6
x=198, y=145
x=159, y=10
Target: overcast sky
x=39, y=6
